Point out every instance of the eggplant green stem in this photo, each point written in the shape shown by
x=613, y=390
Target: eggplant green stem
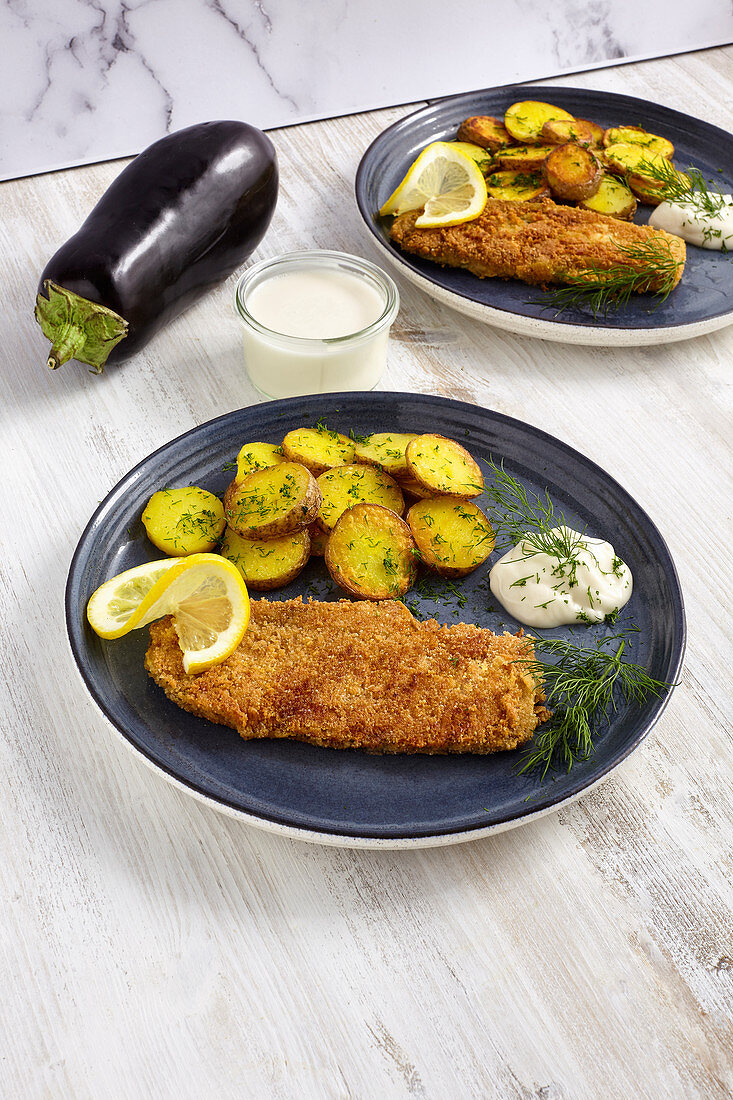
x=77, y=328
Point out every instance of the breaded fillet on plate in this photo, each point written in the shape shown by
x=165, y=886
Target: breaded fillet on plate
x=536, y=242
x=360, y=675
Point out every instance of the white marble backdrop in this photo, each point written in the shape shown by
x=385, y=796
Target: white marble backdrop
x=89, y=80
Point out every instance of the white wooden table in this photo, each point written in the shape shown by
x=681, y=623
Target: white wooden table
x=154, y=948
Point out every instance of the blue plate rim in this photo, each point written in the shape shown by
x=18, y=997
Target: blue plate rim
x=539, y=806
x=556, y=323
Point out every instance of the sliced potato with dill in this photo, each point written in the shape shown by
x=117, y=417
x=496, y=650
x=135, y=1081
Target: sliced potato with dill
x=485, y=131
x=386, y=450
x=444, y=467
x=525, y=120
x=523, y=158
x=257, y=456
x=453, y=536
x=636, y=135
x=345, y=486
x=572, y=172
x=558, y=131
x=184, y=521
x=596, y=130
x=318, y=449
x=511, y=186
x=479, y=156
x=612, y=198
x=272, y=502
x=371, y=553
x=267, y=563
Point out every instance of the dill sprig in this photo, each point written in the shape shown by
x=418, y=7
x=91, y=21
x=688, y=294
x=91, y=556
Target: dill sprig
x=689, y=186
x=582, y=686
x=651, y=268
x=522, y=517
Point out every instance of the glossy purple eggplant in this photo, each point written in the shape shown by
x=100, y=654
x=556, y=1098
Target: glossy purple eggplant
x=180, y=218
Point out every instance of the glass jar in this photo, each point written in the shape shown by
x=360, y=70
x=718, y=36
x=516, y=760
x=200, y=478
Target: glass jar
x=318, y=293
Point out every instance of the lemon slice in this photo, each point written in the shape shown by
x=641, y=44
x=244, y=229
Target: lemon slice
x=446, y=182
x=204, y=593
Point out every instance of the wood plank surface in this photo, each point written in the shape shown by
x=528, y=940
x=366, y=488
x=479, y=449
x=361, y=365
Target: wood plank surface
x=152, y=947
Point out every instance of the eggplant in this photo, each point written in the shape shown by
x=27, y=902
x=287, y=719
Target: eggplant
x=181, y=217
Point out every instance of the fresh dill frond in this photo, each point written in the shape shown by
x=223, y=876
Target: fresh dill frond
x=689, y=186
x=651, y=268
x=523, y=517
x=582, y=686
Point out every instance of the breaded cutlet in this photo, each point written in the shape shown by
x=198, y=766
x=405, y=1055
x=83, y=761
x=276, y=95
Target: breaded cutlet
x=360, y=675
x=536, y=242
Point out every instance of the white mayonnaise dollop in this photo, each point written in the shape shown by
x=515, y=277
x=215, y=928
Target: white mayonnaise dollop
x=543, y=590
x=686, y=219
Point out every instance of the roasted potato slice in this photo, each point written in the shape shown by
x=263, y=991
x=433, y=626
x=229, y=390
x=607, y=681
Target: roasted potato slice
x=257, y=456
x=525, y=120
x=572, y=172
x=267, y=563
x=453, y=536
x=272, y=502
x=612, y=198
x=559, y=131
x=184, y=521
x=371, y=553
x=636, y=135
x=481, y=157
x=516, y=186
x=318, y=449
x=319, y=541
x=486, y=131
x=386, y=450
x=345, y=486
x=523, y=158
x=444, y=467
x=631, y=161
x=597, y=131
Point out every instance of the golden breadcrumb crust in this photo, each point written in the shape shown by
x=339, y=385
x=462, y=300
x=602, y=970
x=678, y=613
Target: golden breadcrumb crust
x=536, y=242
x=360, y=675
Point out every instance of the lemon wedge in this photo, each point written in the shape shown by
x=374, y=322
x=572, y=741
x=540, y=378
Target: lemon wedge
x=204, y=593
x=446, y=182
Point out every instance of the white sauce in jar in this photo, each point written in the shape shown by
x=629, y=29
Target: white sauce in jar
x=543, y=590
x=315, y=305
x=687, y=220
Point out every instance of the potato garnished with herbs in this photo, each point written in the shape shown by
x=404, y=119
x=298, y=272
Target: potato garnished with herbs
x=345, y=486
x=184, y=521
x=257, y=456
x=572, y=172
x=267, y=563
x=516, y=186
x=318, y=449
x=371, y=553
x=636, y=135
x=523, y=158
x=484, y=130
x=444, y=467
x=612, y=198
x=558, y=131
x=384, y=449
x=525, y=120
x=453, y=536
x=272, y=502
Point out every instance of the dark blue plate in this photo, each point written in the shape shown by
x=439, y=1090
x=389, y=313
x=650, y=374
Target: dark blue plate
x=702, y=302
x=325, y=793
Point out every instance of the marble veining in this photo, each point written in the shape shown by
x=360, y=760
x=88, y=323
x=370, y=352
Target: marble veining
x=88, y=80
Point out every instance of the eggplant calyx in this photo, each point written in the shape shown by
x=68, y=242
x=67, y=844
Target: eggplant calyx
x=77, y=328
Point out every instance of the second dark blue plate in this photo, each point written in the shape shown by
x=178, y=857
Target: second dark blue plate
x=702, y=302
